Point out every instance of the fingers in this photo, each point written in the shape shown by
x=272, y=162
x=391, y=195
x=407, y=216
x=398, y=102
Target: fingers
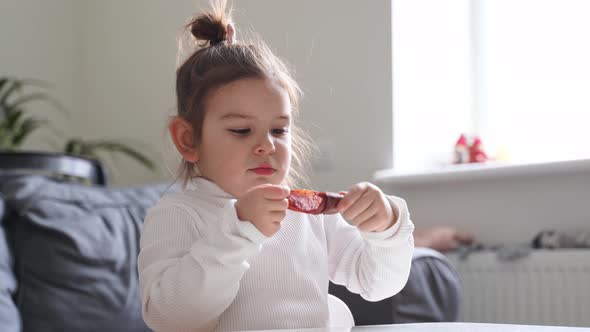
x=278, y=205
x=277, y=216
x=373, y=223
x=270, y=228
x=361, y=209
x=275, y=192
x=264, y=206
x=366, y=207
x=352, y=196
x=277, y=198
x=369, y=213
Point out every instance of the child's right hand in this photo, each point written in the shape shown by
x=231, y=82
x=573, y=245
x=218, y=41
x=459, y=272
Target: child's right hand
x=264, y=206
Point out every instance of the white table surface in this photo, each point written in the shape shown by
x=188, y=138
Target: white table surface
x=447, y=327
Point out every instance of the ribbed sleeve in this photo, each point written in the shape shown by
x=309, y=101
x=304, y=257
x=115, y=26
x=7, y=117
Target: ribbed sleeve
x=190, y=272
x=374, y=265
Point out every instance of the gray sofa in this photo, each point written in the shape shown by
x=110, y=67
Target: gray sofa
x=68, y=262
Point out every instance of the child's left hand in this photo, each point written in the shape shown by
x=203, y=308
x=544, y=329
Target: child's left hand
x=366, y=207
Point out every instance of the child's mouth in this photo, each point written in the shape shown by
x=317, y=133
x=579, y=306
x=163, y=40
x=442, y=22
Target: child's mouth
x=263, y=171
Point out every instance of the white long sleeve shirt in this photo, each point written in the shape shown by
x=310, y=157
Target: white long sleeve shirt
x=202, y=269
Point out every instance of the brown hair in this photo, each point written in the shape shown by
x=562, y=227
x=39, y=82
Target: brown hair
x=220, y=60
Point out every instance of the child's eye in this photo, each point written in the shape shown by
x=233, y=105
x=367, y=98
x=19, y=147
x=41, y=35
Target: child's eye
x=245, y=131
x=280, y=131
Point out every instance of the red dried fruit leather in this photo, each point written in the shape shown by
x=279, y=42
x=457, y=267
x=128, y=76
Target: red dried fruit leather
x=313, y=202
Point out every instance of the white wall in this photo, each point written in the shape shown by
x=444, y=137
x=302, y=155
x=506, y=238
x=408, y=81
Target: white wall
x=114, y=63
x=129, y=64
x=40, y=40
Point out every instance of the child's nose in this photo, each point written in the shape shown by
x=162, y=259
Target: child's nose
x=265, y=145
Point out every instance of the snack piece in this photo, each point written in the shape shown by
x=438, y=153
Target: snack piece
x=313, y=202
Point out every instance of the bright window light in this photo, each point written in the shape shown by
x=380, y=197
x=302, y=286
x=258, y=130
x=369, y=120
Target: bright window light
x=515, y=72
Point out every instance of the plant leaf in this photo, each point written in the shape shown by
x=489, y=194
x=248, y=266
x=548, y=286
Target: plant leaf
x=13, y=87
x=3, y=82
x=28, y=98
x=73, y=146
x=12, y=119
x=26, y=127
x=18, y=85
x=92, y=148
x=114, y=146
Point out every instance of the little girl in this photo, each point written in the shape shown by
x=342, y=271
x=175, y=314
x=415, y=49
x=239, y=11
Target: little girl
x=225, y=253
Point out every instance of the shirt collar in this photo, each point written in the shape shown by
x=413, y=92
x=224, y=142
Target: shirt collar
x=202, y=185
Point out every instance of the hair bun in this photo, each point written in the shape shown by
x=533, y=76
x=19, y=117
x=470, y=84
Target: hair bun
x=213, y=27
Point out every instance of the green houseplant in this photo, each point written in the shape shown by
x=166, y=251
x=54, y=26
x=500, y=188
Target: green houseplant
x=17, y=123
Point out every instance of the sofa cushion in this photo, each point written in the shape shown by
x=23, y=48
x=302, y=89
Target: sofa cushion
x=75, y=250
x=9, y=317
x=433, y=291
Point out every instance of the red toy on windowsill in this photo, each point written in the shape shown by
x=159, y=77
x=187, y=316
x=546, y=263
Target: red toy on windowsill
x=461, y=151
x=469, y=150
x=476, y=152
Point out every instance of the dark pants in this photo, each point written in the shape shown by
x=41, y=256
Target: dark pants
x=432, y=294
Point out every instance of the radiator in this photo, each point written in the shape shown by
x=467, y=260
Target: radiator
x=546, y=287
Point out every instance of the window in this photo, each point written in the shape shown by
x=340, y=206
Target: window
x=515, y=72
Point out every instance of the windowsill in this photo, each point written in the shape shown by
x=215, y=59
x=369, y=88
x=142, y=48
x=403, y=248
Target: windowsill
x=481, y=171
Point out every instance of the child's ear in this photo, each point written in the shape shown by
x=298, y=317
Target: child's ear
x=182, y=134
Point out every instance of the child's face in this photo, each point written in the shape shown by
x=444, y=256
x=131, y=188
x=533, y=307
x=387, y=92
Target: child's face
x=246, y=127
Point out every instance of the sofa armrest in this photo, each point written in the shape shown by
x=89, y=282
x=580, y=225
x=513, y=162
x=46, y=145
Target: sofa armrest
x=10, y=320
